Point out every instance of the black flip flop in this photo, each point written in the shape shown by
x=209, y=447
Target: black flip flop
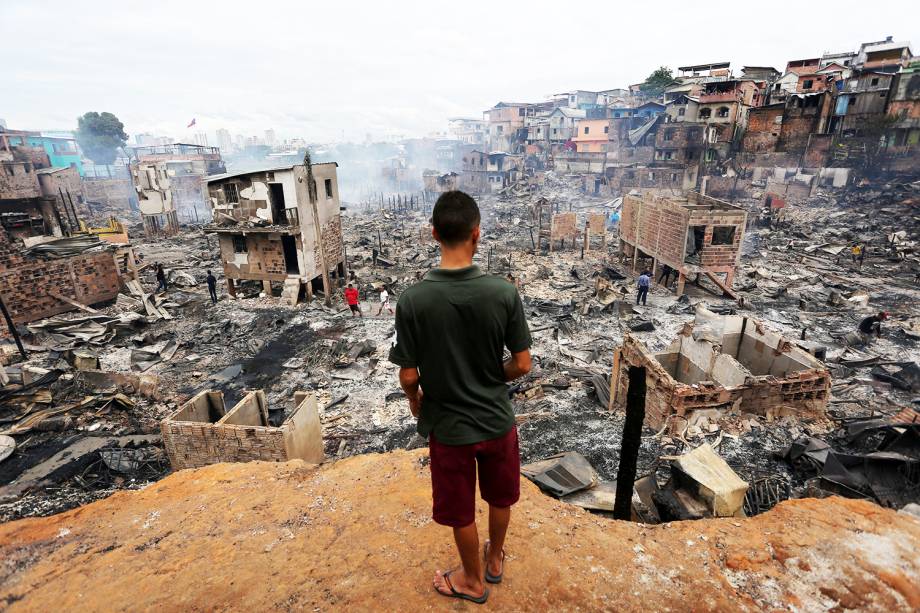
x=490, y=578
x=455, y=594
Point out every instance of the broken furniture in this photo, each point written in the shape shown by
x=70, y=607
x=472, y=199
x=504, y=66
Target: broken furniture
x=203, y=432
x=723, y=363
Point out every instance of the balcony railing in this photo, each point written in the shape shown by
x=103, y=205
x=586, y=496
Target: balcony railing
x=290, y=217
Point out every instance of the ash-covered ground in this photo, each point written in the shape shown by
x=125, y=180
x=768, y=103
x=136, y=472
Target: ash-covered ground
x=787, y=277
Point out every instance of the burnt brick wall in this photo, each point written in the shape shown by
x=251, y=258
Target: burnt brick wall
x=26, y=283
x=719, y=256
x=263, y=260
x=657, y=226
x=763, y=129
x=18, y=180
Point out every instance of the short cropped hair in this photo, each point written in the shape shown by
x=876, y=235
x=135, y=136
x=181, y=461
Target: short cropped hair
x=454, y=217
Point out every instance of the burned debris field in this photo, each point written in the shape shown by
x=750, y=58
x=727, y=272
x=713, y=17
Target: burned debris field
x=580, y=308
x=246, y=363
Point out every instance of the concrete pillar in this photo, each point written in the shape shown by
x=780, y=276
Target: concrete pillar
x=231, y=288
x=680, y=284
x=267, y=286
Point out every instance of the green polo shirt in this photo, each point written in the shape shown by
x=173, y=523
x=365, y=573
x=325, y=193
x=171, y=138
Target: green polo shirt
x=453, y=326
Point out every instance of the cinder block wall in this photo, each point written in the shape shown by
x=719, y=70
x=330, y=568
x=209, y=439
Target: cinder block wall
x=200, y=432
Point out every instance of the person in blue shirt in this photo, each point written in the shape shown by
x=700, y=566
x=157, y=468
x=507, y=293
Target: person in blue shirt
x=645, y=279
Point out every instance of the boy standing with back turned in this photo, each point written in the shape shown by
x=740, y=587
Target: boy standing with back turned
x=451, y=330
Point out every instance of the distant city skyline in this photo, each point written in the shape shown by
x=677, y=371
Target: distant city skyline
x=376, y=70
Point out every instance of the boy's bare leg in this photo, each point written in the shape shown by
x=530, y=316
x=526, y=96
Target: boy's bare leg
x=468, y=579
x=499, y=518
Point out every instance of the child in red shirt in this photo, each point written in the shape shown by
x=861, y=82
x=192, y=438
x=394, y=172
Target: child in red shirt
x=351, y=297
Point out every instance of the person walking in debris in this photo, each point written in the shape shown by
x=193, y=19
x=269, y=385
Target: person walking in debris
x=665, y=274
x=161, y=277
x=384, y=301
x=645, y=279
x=872, y=325
x=856, y=251
x=465, y=410
x=212, y=287
x=862, y=254
x=351, y=297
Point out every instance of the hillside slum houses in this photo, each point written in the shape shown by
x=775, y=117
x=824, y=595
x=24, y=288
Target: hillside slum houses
x=827, y=120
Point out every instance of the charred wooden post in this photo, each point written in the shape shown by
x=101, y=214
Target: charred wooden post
x=632, y=439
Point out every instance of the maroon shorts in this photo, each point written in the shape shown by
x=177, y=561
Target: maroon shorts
x=453, y=477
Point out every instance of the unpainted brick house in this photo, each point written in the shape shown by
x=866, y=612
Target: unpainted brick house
x=723, y=365
x=694, y=235
x=271, y=230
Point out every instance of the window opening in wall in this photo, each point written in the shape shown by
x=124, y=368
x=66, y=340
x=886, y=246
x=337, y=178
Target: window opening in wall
x=328, y=184
x=681, y=112
x=231, y=193
x=606, y=129
x=669, y=134
x=239, y=244
x=723, y=111
x=807, y=84
x=874, y=82
x=723, y=235
x=586, y=129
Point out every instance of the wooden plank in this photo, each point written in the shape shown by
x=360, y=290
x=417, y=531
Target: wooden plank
x=731, y=294
x=73, y=303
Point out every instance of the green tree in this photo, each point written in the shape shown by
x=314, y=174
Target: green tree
x=656, y=82
x=100, y=136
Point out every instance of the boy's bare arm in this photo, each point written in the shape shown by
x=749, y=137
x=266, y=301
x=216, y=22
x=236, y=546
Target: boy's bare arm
x=409, y=381
x=518, y=365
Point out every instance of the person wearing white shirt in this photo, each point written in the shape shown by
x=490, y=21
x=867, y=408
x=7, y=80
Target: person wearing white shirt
x=384, y=301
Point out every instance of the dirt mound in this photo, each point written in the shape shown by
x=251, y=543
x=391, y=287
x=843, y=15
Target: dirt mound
x=356, y=535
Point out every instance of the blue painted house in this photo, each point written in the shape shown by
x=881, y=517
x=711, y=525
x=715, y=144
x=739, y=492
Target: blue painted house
x=61, y=149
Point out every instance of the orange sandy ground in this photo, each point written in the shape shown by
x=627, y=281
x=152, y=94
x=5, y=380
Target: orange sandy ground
x=356, y=535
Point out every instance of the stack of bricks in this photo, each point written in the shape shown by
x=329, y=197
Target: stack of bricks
x=193, y=444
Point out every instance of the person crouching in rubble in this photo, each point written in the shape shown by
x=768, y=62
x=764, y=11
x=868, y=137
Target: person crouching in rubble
x=351, y=298
x=872, y=324
x=451, y=331
x=645, y=279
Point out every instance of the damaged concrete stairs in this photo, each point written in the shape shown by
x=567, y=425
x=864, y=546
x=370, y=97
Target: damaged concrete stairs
x=291, y=291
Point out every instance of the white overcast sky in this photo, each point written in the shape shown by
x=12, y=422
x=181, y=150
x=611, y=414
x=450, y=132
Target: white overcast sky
x=334, y=69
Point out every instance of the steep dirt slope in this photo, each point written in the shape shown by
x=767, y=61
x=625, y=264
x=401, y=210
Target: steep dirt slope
x=356, y=535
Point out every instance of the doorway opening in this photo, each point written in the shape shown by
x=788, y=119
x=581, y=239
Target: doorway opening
x=289, y=244
x=277, y=195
